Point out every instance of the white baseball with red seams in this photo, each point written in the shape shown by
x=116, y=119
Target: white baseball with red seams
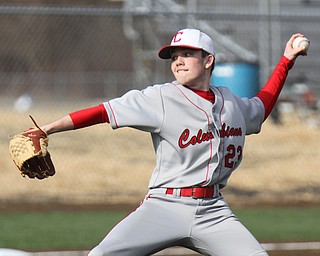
x=301, y=41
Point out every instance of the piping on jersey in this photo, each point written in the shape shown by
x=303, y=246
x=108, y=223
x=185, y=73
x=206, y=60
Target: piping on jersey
x=210, y=140
x=113, y=115
x=221, y=139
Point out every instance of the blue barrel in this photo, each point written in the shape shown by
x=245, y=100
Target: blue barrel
x=241, y=78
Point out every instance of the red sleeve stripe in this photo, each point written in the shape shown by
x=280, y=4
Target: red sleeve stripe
x=90, y=116
x=113, y=115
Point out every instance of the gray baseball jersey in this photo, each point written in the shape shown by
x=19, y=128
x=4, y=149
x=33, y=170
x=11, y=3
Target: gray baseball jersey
x=202, y=152
x=197, y=143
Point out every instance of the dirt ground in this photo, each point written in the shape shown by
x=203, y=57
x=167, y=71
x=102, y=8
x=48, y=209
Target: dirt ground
x=283, y=253
x=295, y=253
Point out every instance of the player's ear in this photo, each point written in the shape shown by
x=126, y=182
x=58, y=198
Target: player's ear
x=209, y=61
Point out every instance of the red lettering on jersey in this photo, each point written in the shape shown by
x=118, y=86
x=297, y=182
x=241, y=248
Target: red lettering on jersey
x=185, y=140
x=227, y=131
x=177, y=39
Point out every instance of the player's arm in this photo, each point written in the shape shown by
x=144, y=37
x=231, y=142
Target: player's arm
x=60, y=125
x=269, y=94
x=79, y=119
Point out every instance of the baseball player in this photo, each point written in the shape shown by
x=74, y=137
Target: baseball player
x=198, y=132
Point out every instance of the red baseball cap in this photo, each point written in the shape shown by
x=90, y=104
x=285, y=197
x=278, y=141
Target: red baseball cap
x=188, y=38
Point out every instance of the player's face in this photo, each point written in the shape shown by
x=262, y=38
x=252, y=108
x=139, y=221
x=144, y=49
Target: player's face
x=190, y=68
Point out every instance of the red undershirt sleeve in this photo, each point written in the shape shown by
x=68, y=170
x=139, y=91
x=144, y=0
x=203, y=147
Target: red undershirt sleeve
x=269, y=94
x=90, y=116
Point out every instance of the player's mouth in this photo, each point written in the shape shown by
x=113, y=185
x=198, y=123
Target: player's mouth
x=182, y=70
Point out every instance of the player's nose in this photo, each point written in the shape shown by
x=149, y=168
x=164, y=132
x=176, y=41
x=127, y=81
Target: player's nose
x=179, y=61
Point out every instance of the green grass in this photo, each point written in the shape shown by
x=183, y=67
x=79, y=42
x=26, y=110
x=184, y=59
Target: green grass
x=83, y=230
x=282, y=224
x=55, y=230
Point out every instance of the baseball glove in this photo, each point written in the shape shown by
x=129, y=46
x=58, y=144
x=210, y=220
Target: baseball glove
x=28, y=151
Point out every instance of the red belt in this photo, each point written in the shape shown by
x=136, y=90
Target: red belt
x=195, y=192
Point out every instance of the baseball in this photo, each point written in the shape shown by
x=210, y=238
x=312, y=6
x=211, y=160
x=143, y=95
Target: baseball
x=301, y=41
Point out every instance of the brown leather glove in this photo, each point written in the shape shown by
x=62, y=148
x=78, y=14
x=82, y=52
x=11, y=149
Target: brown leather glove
x=28, y=151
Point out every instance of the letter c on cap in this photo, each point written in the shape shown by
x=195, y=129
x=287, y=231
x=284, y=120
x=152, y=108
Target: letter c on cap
x=177, y=39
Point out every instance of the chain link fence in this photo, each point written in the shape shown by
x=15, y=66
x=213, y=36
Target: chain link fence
x=56, y=59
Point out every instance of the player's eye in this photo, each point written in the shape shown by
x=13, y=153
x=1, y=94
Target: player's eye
x=173, y=58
